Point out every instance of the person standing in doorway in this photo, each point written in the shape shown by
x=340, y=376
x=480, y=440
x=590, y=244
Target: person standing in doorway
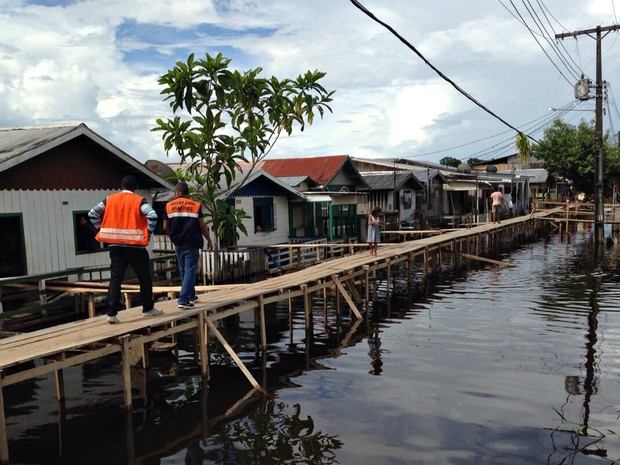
x=125, y=221
x=496, y=205
x=184, y=223
x=374, y=232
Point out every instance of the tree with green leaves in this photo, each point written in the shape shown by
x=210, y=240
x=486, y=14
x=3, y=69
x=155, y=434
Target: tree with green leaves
x=568, y=151
x=223, y=118
x=450, y=161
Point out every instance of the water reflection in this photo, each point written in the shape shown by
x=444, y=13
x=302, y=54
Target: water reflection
x=481, y=366
x=273, y=433
x=374, y=344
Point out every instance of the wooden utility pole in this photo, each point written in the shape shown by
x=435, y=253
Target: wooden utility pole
x=599, y=214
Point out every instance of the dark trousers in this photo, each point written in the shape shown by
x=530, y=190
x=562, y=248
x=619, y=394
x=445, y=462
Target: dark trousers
x=120, y=258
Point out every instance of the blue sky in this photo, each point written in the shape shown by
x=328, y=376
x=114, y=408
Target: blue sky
x=98, y=63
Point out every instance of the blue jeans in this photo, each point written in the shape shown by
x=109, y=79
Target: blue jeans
x=187, y=260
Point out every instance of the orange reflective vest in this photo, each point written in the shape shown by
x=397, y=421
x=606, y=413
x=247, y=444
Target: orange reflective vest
x=123, y=221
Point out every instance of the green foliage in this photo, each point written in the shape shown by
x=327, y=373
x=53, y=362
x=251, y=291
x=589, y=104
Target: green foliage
x=224, y=117
x=568, y=151
x=476, y=161
x=524, y=148
x=450, y=161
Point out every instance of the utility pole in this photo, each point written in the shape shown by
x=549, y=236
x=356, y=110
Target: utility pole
x=599, y=214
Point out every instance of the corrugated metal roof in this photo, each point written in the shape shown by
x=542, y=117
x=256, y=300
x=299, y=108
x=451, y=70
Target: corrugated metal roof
x=16, y=142
x=18, y=145
x=240, y=181
x=387, y=180
x=295, y=181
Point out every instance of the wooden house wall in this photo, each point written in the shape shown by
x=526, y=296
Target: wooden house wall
x=279, y=236
x=77, y=164
x=49, y=229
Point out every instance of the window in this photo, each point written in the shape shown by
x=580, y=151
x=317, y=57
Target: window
x=85, y=232
x=407, y=200
x=264, y=214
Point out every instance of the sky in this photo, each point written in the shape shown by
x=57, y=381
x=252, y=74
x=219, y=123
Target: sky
x=96, y=62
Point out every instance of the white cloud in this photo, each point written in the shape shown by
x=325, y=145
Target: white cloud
x=98, y=62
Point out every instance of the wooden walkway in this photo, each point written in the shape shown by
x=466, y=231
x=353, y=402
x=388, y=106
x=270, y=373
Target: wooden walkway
x=62, y=346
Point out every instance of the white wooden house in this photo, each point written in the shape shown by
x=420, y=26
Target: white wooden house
x=50, y=176
x=269, y=205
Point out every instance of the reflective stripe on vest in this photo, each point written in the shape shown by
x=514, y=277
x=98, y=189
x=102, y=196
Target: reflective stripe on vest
x=123, y=222
x=182, y=207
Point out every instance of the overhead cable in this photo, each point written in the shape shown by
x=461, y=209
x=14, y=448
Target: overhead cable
x=368, y=13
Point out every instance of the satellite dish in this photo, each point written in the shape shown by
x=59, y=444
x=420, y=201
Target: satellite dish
x=491, y=169
x=162, y=170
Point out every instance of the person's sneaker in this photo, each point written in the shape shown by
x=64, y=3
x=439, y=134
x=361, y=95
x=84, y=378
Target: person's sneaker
x=153, y=312
x=193, y=300
x=187, y=306
x=113, y=319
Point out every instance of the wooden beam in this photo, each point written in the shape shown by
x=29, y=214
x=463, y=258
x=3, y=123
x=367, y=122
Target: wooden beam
x=236, y=358
x=60, y=381
x=263, y=329
x=126, y=368
x=347, y=297
x=488, y=260
x=202, y=341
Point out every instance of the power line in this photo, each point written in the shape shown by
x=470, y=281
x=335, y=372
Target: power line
x=546, y=10
x=368, y=13
x=538, y=42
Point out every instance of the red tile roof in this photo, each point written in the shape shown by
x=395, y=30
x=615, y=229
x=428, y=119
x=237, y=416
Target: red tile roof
x=320, y=169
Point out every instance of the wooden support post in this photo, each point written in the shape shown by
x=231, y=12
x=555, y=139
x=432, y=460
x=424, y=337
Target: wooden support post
x=263, y=329
x=127, y=296
x=388, y=277
x=202, y=340
x=290, y=321
x=307, y=306
x=325, y=300
x=347, y=297
x=146, y=360
x=126, y=368
x=409, y=268
x=60, y=380
x=90, y=298
x=4, y=437
x=367, y=277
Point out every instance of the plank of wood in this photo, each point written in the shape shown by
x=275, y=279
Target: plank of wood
x=488, y=260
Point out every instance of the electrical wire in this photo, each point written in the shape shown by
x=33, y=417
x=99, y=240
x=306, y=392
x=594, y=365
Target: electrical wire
x=546, y=10
x=368, y=13
x=550, y=39
x=539, y=44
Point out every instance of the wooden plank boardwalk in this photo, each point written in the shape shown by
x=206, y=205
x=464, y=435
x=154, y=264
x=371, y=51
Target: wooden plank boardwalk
x=28, y=355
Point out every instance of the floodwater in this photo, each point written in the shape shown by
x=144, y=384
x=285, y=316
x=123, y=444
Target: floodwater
x=485, y=366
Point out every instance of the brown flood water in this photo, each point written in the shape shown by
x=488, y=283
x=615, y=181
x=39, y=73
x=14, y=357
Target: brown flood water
x=484, y=366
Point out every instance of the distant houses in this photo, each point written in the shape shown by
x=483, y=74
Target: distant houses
x=52, y=175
